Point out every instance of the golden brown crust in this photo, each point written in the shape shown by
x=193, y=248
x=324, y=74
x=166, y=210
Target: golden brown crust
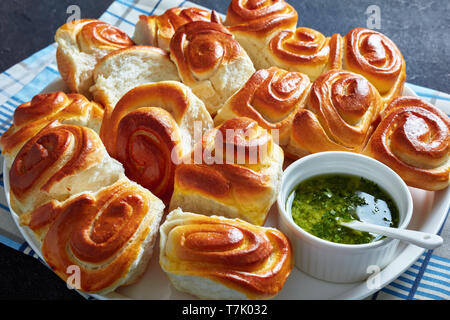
x=253, y=260
x=100, y=234
x=377, y=58
x=210, y=61
x=143, y=133
x=341, y=114
x=363, y=51
x=260, y=17
x=142, y=137
x=99, y=35
x=271, y=97
x=40, y=106
x=336, y=52
x=201, y=47
x=413, y=139
x=220, y=181
x=56, y=152
x=239, y=167
x=145, y=140
x=167, y=94
x=305, y=50
x=162, y=27
x=225, y=175
x=30, y=117
x=302, y=46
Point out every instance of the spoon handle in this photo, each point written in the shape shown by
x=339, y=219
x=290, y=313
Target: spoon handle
x=421, y=239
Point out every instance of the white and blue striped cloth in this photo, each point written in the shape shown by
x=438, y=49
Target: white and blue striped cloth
x=428, y=278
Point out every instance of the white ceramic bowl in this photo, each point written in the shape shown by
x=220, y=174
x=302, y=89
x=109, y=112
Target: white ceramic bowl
x=331, y=261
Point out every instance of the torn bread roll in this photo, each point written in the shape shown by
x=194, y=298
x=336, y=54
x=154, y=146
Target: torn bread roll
x=122, y=70
x=81, y=44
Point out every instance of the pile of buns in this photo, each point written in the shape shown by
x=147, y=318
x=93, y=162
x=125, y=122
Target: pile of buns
x=92, y=171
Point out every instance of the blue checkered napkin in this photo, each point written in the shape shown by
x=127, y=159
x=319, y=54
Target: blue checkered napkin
x=428, y=278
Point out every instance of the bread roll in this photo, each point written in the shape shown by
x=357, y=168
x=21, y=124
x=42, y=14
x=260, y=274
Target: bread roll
x=210, y=61
x=60, y=161
x=413, y=139
x=342, y=112
x=219, y=258
x=271, y=97
x=122, y=70
x=378, y=59
x=363, y=51
x=157, y=30
x=32, y=116
x=81, y=44
x=253, y=22
x=235, y=172
x=107, y=235
x=304, y=50
x=151, y=128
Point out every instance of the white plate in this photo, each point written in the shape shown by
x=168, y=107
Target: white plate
x=430, y=211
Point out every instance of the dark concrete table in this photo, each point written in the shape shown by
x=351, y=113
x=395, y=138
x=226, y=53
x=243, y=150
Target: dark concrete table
x=420, y=28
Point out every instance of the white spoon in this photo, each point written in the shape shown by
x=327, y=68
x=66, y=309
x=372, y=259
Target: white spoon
x=418, y=238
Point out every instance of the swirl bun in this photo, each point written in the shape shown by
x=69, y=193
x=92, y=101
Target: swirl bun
x=97, y=36
x=304, y=50
x=413, y=139
x=235, y=172
x=271, y=97
x=342, y=111
x=81, y=44
x=219, y=258
x=60, y=161
x=210, y=61
x=151, y=129
x=158, y=30
x=109, y=235
x=252, y=22
x=363, y=51
x=377, y=58
x=260, y=17
x=32, y=116
x=247, y=140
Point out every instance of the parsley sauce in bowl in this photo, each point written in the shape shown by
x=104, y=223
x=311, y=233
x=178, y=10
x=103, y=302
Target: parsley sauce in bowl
x=320, y=249
x=318, y=203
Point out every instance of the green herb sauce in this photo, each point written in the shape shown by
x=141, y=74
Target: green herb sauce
x=321, y=200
